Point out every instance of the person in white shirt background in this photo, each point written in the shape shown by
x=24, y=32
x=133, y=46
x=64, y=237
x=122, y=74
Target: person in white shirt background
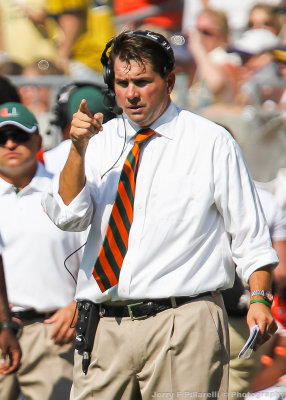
x=196, y=216
x=35, y=252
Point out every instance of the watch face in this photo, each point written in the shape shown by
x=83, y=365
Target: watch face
x=269, y=296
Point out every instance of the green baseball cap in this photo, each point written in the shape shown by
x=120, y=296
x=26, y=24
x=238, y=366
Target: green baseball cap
x=18, y=115
x=91, y=94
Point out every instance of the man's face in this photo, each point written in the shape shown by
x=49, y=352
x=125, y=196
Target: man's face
x=17, y=149
x=142, y=93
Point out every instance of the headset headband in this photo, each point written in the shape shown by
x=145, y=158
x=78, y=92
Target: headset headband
x=146, y=34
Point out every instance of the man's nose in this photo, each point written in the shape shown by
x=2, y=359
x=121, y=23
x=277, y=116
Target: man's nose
x=132, y=94
x=10, y=144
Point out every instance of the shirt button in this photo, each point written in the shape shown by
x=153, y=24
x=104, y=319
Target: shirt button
x=139, y=206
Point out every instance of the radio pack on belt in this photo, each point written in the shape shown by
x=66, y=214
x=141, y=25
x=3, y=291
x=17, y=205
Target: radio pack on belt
x=86, y=325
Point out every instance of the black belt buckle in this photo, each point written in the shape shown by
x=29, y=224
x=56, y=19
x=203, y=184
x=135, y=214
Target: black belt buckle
x=130, y=311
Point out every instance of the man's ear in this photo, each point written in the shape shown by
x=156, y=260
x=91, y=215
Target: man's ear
x=171, y=78
x=40, y=140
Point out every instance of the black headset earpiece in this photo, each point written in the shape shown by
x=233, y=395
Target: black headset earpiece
x=109, y=81
x=60, y=109
x=108, y=75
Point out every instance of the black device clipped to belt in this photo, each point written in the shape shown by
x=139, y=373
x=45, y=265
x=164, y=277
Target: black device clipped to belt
x=86, y=325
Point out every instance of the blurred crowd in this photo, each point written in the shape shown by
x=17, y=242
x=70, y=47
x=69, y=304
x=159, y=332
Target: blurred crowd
x=222, y=50
x=229, y=56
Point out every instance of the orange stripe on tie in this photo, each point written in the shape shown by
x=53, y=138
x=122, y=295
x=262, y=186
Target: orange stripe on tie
x=131, y=174
x=113, y=246
x=107, y=269
x=126, y=201
x=120, y=225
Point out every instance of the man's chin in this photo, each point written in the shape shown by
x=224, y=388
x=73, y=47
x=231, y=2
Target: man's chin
x=136, y=117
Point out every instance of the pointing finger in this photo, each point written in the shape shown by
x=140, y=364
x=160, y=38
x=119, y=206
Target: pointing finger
x=84, y=108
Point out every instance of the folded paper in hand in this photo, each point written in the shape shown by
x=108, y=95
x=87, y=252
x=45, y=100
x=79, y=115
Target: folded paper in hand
x=247, y=349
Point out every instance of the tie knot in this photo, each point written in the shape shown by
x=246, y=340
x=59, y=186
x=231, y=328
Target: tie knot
x=144, y=134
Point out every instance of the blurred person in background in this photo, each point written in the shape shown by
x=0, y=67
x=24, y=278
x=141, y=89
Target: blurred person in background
x=258, y=74
x=40, y=262
x=25, y=33
x=83, y=25
x=237, y=12
x=263, y=16
x=68, y=101
x=37, y=98
x=255, y=48
x=214, y=79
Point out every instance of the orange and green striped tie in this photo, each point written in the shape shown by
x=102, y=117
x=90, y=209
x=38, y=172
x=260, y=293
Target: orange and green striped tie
x=107, y=267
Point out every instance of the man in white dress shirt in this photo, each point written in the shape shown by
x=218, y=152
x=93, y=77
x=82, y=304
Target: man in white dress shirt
x=40, y=288
x=162, y=330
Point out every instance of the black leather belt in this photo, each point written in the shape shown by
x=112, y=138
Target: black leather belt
x=32, y=314
x=145, y=309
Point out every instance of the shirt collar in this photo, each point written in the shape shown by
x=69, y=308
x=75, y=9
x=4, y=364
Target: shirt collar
x=165, y=125
x=40, y=181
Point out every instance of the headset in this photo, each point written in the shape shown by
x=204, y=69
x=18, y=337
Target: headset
x=108, y=74
x=60, y=110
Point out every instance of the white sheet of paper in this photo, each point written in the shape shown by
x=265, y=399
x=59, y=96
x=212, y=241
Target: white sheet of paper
x=247, y=349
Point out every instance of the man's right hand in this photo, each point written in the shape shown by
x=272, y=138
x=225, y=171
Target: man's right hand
x=84, y=126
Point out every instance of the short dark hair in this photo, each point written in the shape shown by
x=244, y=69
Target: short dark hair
x=129, y=47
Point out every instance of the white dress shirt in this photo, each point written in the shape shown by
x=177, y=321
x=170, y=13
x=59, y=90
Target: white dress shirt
x=56, y=158
x=196, y=211
x=34, y=249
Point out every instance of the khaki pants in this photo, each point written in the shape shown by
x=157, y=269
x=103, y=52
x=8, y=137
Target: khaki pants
x=46, y=369
x=180, y=353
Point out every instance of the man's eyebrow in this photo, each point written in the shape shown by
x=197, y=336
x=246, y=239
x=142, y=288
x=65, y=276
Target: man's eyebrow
x=136, y=79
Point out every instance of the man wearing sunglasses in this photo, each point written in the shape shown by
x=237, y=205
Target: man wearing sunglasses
x=39, y=274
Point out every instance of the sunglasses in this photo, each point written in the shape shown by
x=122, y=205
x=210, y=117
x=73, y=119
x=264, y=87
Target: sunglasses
x=17, y=136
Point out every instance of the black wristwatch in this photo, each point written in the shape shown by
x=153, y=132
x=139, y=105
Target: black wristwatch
x=268, y=296
x=10, y=325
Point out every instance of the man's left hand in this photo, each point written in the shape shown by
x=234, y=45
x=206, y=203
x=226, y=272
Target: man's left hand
x=62, y=319
x=259, y=314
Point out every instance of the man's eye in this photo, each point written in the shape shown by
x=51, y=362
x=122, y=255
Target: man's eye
x=141, y=83
x=122, y=83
